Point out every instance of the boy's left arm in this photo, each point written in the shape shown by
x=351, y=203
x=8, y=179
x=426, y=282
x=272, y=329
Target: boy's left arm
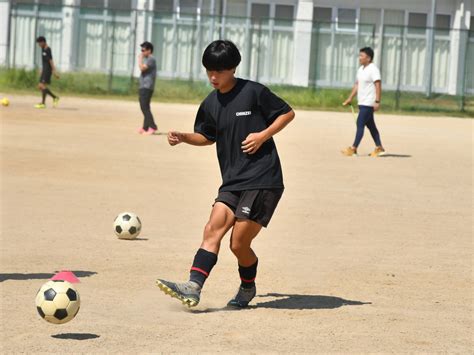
x=254, y=141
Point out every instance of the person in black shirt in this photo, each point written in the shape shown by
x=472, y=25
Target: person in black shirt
x=241, y=117
x=46, y=72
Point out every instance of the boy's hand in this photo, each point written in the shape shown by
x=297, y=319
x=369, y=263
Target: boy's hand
x=253, y=142
x=347, y=102
x=376, y=106
x=175, y=137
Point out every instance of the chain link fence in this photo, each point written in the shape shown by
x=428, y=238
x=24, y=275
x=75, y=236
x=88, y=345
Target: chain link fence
x=415, y=61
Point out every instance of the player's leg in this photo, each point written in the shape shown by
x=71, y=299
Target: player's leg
x=220, y=221
x=254, y=211
x=361, y=119
x=149, y=115
x=142, y=101
x=379, y=150
x=148, y=122
x=361, y=122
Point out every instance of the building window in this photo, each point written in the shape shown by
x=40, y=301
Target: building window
x=284, y=15
x=260, y=12
x=323, y=17
x=346, y=19
x=443, y=25
x=166, y=6
x=284, y=12
x=417, y=23
x=188, y=7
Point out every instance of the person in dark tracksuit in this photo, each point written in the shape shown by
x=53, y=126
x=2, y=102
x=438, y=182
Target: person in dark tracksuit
x=369, y=90
x=48, y=69
x=147, y=65
x=240, y=117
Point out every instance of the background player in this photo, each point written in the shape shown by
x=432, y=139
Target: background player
x=147, y=65
x=241, y=117
x=368, y=87
x=47, y=70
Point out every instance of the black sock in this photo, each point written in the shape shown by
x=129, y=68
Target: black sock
x=50, y=93
x=43, y=92
x=203, y=263
x=247, y=275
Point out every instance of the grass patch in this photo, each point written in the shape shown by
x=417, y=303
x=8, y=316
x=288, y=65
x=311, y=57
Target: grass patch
x=182, y=91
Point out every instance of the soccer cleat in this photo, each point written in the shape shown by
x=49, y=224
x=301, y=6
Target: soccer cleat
x=188, y=293
x=349, y=151
x=56, y=102
x=150, y=132
x=40, y=106
x=243, y=297
x=378, y=152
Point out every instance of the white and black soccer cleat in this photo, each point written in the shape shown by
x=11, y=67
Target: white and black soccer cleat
x=188, y=293
x=243, y=297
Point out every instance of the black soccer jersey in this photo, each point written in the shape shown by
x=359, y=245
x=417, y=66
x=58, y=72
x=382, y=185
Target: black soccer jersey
x=46, y=56
x=228, y=119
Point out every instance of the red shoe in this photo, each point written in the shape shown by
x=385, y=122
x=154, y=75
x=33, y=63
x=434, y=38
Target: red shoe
x=150, y=132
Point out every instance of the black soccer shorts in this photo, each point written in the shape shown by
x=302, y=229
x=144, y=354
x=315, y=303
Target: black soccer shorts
x=255, y=205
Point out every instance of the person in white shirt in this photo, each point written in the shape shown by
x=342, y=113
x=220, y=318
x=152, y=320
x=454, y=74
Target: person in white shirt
x=368, y=87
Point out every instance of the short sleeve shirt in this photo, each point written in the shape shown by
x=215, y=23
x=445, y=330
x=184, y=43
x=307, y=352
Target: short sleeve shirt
x=46, y=56
x=228, y=119
x=366, y=78
x=147, y=77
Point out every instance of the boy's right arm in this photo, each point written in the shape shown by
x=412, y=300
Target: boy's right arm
x=189, y=138
x=351, y=96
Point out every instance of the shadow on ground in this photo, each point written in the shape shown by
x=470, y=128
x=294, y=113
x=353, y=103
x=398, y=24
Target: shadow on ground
x=292, y=301
x=75, y=336
x=395, y=156
x=40, y=276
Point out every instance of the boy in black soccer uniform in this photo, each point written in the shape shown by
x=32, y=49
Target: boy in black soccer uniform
x=241, y=117
x=46, y=72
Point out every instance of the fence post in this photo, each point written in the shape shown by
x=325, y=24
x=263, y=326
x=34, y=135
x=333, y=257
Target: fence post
x=132, y=69
x=400, y=66
x=111, y=73
x=466, y=71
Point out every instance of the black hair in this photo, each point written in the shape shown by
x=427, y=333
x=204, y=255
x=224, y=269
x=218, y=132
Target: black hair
x=41, y=39
x=221, y=55
x=147, y=45
x=369, y=51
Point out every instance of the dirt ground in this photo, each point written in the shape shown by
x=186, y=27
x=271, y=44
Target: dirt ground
x=362, y=255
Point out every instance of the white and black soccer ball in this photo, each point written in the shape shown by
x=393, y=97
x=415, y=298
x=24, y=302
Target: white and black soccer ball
x=127, y=225
x=57, y=301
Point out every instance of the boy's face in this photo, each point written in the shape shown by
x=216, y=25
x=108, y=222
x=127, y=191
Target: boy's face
x=364, y=59
x=221, y=78
x=146, y=52
x=42, y=44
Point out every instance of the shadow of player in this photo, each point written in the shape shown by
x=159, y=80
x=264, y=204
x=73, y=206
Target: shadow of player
x=388, y=155
x=40, y=276
x=292, y=301
x=75, y=336
x=289, y=301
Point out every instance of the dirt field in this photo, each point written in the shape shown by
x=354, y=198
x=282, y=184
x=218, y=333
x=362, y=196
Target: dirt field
x=363, y=255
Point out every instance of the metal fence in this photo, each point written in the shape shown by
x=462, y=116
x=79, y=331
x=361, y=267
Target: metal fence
x=104, y=40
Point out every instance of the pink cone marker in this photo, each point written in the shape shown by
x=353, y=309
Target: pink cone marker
x=66, y=275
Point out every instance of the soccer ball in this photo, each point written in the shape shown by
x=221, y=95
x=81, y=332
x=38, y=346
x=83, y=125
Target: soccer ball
x=127, y=225
x=5, y=102
x=57, y=301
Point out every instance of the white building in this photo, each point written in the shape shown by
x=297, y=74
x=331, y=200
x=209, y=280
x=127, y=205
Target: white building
x=296, y=42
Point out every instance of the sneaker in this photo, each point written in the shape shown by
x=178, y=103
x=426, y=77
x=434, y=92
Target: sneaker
x=188, y=293
x=141, y=131
x=378, y=152
x=56, y=102
x=150, y=131
x=243, y=297
x=349, y=151
x=40, y=106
